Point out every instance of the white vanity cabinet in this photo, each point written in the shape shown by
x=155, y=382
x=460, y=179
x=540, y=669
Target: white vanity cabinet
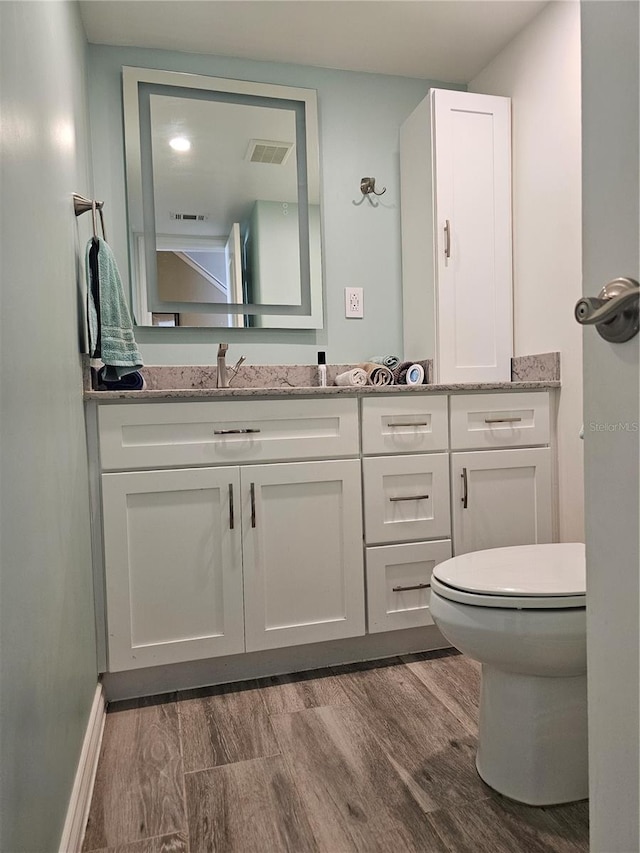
x=241, y=526
x=406, y=506
x=209, y=561
x=455, y=168
x=501, y=496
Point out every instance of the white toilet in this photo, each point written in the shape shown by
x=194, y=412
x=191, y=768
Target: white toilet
x=520, y=612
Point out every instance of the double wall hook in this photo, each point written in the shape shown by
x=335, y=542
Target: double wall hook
x=368, y=185
x=368, y=188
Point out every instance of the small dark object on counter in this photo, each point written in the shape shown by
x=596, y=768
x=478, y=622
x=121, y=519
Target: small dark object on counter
x=131, y=382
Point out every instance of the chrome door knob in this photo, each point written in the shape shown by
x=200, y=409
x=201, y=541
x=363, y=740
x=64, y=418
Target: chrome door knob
x=614, y=312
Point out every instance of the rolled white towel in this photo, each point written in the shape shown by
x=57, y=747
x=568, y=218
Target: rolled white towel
x=357, y=376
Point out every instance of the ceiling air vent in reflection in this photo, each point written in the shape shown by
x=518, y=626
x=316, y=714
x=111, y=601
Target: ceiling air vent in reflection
x=268, y=151
x=189, y=217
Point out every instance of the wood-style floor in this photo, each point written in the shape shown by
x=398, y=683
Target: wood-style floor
x=375, y=758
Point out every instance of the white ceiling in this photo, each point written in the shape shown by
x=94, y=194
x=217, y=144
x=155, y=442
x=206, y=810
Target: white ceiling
x=214, y=176
x=446, y=40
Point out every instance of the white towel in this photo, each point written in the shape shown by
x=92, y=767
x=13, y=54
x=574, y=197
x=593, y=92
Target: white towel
x=357, y=376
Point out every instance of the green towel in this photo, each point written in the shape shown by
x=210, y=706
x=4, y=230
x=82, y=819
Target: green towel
x=110, y=327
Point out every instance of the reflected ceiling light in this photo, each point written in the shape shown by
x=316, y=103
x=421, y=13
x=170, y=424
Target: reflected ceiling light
x=180, y=143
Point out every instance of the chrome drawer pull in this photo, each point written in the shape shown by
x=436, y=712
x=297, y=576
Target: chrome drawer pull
x=405, y=588
x=410, y=498
x=234, y=431
x=415, y=423
x=253, y=504
x=231, y=517
x=447, y=238
x=502, y=420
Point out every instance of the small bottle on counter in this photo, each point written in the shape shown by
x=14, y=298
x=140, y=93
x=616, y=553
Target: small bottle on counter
x=322, y=369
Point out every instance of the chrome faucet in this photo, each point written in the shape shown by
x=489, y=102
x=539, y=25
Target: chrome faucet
x=223, y=380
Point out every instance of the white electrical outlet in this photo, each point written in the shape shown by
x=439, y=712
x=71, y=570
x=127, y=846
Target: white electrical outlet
x=353, y=302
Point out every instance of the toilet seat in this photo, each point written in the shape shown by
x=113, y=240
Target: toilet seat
x=524, y=577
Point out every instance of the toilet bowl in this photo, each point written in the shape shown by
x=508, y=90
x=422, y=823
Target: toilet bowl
x=520, y=612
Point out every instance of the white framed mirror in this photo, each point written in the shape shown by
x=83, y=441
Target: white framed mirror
x=223, y=198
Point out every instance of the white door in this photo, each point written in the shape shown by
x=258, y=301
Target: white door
x=473, y=230
x=173, y=565
x=611, y=414
x=501, y=498
x=303, y=561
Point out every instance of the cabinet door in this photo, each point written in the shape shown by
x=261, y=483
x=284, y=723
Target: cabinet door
x=173, y=564
x=302, y=550
x=473, y=237
x=501, y=498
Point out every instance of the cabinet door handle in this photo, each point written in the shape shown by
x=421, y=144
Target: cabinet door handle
x=465, y=489
x=405, y=588
x=234, y=431
x=447, y=238
x=414, y=424
x=252, y=490
x=231, y=516
x=410, y=498
x=502, y=420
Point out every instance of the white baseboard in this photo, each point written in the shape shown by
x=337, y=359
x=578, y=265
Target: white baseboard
x=78, y=810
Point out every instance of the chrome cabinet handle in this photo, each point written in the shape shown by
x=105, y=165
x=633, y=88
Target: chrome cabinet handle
x=252, y=490
x=447, y=238
x=502, y=420
x=405, y=588
x=421, y=423
x=465, y=489
x=410, y=498
x=234, y=431
x=231, y=516
x=614, y=312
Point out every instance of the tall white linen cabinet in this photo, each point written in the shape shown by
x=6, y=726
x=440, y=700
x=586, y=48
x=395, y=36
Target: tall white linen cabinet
x=455, y=179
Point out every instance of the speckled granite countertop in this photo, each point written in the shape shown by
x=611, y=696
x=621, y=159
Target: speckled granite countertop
x=330, y=391
x=529, y=373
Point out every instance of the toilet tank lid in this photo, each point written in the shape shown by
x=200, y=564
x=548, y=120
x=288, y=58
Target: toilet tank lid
x=524, y=570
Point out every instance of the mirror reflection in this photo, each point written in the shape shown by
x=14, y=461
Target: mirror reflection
x=224, y=207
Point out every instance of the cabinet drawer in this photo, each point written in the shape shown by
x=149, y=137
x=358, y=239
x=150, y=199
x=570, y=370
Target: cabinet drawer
x=406, y=497
x=145, y=435
x=399, y=584
x=480, y=421
x=401, y=425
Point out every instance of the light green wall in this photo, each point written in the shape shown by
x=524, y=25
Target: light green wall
x=276, y=256
x=48, y=670
x=359, y=116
